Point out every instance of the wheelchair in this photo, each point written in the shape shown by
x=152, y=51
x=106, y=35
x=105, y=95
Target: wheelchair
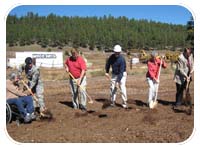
x=12, y=114
x=8, y=113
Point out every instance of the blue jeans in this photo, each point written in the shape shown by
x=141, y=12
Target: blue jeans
x=24, y=104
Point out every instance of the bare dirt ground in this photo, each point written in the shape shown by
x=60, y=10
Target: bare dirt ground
x=109, y=125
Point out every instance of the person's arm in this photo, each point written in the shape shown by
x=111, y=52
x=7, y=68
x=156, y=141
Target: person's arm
x=180, y=67
x=83, y=70
x=164, y=64
x=81, y=77
x=15, y=90
x=159, y=60
x=192, y=64
x=151, y=72
x=66, y=66
x=35, y=78
x=121, y=69
x=107, y=67
x=20, y=69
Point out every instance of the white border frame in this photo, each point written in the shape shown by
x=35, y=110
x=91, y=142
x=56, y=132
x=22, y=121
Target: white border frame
x=191, y=5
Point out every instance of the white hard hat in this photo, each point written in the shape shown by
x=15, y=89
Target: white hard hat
x=117, y=48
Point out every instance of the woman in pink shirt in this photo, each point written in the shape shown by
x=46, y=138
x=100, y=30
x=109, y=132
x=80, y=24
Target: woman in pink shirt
x=76, y=66
x=154, y=66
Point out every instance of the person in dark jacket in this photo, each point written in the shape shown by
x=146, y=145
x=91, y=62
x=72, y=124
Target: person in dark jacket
x=119, y=75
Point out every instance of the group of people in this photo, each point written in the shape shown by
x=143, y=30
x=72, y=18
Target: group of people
x=21, y=96
x=75, y=66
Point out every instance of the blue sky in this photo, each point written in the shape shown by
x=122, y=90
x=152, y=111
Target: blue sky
x=173, y=14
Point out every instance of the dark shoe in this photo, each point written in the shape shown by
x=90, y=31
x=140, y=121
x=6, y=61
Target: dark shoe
x=112, y=104
x=83, y=108
x=33, y=116
x=178, y=104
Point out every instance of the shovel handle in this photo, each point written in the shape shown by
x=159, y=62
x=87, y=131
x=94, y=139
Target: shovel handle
x=187, y=83
x=34, y=97
x=108, y=76
x=90, y=99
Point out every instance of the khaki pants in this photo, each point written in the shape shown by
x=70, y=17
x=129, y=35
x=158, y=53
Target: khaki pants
x=153, y=88
x=122, y=86
x=76, y=91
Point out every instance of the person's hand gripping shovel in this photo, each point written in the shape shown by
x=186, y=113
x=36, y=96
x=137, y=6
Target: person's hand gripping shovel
x=188, y=98
x=116, y=86
x=44, y=113
x=90, y=99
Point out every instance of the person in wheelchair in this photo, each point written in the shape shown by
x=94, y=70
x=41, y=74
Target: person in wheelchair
x=22, y=100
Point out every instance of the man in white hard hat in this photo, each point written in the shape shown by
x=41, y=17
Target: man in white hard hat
x=119, y=75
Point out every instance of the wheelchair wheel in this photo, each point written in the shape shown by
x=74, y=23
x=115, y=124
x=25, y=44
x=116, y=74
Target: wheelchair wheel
x=8, y=113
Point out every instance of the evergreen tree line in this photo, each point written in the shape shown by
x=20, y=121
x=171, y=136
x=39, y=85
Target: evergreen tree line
x=93, y=32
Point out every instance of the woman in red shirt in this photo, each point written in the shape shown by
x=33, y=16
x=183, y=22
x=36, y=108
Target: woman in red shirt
x=154, y=66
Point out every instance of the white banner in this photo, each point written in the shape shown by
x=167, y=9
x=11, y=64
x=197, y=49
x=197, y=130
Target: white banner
x=43, y=59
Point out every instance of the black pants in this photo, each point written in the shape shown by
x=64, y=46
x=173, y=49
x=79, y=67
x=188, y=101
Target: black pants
x=179, y=93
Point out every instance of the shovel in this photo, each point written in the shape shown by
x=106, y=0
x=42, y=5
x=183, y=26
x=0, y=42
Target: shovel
x=156, y=96
x=45, y=113
x=90, y=99
x=117, y=88
x=188, y=98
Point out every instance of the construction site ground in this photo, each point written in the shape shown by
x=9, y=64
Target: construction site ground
x=104, y=124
